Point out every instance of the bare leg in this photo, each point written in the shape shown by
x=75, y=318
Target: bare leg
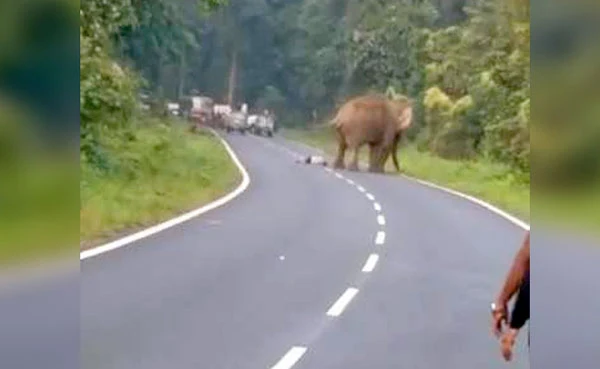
x=339, y=161
x=354, y=163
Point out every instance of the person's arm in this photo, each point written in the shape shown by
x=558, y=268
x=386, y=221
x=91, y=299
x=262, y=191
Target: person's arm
x=511, y=285
x=519, y=315
x=520, y=312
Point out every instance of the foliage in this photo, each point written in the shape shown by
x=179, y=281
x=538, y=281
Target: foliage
x=136, y=169
x=155, y=169
x=484, y=60
x=316, y=54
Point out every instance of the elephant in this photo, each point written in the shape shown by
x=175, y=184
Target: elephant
x=374, y=120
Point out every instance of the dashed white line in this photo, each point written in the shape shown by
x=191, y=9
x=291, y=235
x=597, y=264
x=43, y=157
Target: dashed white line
x=361, y=188
x=290, y=358
x=380, y=238
x=350, y=182
x=370, y=264
x=381, y=220
x=339, y=175
x=328, y=169
x=377, y=207
x=370, y=197
x=338, y=307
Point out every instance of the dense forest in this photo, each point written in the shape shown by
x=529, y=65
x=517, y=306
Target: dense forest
x=465, y=62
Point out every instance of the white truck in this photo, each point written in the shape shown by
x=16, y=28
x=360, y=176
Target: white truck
x=236, y=121
x=252, y=121
x=265, y=125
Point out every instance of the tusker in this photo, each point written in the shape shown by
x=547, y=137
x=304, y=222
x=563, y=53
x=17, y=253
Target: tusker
x=374, y=120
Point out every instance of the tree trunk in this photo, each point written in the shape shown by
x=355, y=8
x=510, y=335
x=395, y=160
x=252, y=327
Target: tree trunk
x=182, y=70
x=232, y=78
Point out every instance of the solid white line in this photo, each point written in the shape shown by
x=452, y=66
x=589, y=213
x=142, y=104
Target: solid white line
x=338, y=307
x=370, y=264
x=350, y=182
x=475, y=200
x=370, y=197
x=180, y=219
x=290, y=358
x=377, y=206
x=361, y=188
x=380, y=238
x=381, y=220
x=339, y=175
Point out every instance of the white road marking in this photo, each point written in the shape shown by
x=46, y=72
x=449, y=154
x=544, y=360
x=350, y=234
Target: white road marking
x=370, y=264
x=339, y=175
x=377, y=207
x=282, y=257
x=327, y=169
x=350, y=182
x=475, y=200
x=338, y=307
x=381, y=220
x=380, y=238
x=370, y=197
x=361, y=188
x=290, y=358
x=177, y=220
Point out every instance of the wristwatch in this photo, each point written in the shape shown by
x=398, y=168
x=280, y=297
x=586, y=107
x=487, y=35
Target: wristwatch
x=496, y=308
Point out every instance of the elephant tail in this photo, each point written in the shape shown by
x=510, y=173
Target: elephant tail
x=395, y=151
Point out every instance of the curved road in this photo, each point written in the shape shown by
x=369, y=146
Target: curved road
x=308, y=269
x=252, y=283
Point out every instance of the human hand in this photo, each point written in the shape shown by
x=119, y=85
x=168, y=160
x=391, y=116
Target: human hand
x=499, y=317
x=507, y=343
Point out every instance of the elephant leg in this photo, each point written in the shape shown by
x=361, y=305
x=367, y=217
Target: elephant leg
x=372, y=157
x=354, y=163
x=385, y=154
x=339, y=161
x=377, y=158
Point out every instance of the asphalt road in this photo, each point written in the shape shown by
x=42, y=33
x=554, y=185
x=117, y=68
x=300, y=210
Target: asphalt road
x=311, y=270
x=244, y=284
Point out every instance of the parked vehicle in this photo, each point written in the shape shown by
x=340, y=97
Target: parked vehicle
x=174, y=109
x=265, y=125
x=202, y=110
x=236, y=121
x=220, y=112
x=252, y=122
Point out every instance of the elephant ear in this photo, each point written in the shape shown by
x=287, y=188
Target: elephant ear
x=402, y=108
x=405, y=118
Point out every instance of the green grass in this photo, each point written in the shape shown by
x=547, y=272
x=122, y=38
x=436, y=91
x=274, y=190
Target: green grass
x=160, y=171
x=489, y=181
x=38, y=220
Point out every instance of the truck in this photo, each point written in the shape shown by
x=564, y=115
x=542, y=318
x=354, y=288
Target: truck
x=197, y=109
x=236, y=121
x=265, y=125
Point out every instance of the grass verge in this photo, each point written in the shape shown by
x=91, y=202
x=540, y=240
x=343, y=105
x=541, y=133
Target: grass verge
x=489, y=181
x=148, y=175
